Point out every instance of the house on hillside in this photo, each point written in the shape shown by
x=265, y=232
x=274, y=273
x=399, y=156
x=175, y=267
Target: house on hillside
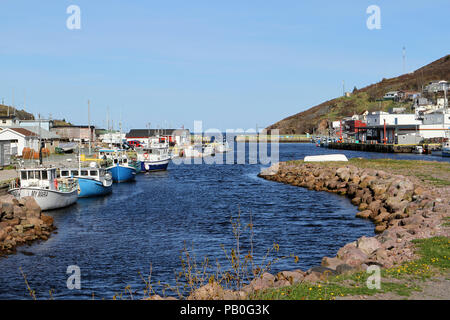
x=437, y=86
x=391, y=95
x=19, y=138
x=9, y=121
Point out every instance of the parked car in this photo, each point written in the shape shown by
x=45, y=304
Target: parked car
x=135, y=143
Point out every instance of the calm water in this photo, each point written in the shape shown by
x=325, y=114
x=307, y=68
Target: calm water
x=146, y=223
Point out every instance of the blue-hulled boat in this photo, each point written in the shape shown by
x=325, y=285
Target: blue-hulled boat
x=92, y=181
x=121, y=170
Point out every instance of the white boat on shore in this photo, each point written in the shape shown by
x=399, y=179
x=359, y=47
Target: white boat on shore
x=326, y=157
x=49, y=191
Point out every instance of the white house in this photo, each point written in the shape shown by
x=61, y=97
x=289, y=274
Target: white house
x=379, y=117
x=43, y=123
x=9, y=121
x=19, y=139
x=391, y=95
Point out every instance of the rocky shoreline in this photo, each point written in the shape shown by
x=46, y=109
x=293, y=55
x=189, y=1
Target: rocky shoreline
x=21, y=222
x=401, y=207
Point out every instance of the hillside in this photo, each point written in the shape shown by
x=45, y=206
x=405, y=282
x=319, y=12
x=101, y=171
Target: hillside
x=316, y=118
x=21, y=114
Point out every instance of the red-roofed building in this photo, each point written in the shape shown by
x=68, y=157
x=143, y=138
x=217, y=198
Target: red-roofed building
x=19, y=139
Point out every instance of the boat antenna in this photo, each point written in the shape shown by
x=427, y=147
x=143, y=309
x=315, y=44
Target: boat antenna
x=40, y=142
x=89, y=125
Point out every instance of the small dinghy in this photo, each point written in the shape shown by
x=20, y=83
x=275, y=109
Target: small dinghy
x=326, y=157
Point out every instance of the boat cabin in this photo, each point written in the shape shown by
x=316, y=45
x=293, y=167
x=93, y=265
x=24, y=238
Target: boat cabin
x=38, y=177
x=92, y=173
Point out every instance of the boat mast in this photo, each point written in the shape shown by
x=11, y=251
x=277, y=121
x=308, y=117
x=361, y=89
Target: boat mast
x=89, y=125
x=40, y=143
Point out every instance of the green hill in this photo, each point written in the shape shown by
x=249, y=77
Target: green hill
x=367, y=98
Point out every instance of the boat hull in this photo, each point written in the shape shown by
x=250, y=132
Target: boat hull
x=446, y=152
x=154, y=165
x=92, y=188
x=46, y=199
x=122, y=173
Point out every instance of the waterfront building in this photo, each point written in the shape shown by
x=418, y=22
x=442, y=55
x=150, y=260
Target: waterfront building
x=75, y=133
x=18, y=139
x=171, y=136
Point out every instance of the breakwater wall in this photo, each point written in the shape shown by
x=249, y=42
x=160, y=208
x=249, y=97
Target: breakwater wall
x=21, y=222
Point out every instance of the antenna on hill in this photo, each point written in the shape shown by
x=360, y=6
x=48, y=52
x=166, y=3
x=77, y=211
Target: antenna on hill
x=343, y=88
x=404, y=59
x=12, y=102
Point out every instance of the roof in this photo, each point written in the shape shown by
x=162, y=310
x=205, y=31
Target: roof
x=145, y=133
x=8, y=117
x=73, y=126
x=22, y=131
x=44, y=133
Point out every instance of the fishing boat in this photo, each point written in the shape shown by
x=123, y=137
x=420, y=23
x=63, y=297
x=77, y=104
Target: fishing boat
x=93, y=181
x=121, y=170
x=155, y=157
x=418, y=150
x=446, y=149
x=208, y=150
x=43, y=184
x=222, y=147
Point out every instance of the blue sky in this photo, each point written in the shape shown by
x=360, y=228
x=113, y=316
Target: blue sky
x=231, y=64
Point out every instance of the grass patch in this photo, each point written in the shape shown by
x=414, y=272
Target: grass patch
x=338, y=286
x=434, y=258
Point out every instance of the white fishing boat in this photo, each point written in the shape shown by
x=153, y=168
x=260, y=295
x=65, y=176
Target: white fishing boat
x=418, y=150
x=155, y=157
x=222, y=147
x=208, y=150
x=446, y=149
x=192, y=151
x=49, y=191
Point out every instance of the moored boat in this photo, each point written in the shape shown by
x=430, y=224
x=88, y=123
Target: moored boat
x=49, y=191
x=446, y=149
x=121, y=170
x=93, y=181
x=154, y=158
